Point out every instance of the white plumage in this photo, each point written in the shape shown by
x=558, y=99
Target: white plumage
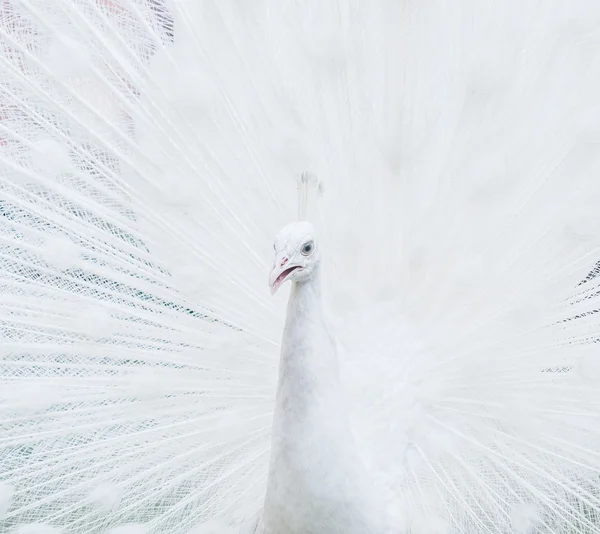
x=149, y=152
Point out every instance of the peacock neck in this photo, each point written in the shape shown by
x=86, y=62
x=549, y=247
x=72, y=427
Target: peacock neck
x=309, y=407
x=308, y=365
x=316, y=481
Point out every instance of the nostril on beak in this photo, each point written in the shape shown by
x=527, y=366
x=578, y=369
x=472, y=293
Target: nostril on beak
x=283, y=262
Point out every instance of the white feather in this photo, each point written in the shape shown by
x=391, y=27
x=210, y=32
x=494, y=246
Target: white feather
x=143, y=175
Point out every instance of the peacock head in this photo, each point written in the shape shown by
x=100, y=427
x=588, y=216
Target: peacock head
x=296, y=254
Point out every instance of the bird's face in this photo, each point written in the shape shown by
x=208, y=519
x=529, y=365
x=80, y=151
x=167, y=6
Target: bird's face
x=296, y=254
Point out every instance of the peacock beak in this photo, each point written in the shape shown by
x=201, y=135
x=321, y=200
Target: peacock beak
x=280, y=273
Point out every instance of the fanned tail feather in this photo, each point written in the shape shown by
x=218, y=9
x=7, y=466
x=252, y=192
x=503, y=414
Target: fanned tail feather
x=149, y=152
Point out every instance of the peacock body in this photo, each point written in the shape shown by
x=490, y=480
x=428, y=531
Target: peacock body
x=447, y=156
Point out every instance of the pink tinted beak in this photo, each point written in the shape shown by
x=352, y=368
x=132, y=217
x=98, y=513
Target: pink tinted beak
x=280, y=273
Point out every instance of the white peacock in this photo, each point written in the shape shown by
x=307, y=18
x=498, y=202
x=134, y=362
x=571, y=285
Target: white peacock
x=149, y=151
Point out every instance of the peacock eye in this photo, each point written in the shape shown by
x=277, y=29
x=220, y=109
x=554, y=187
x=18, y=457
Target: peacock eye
x=307, y=248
